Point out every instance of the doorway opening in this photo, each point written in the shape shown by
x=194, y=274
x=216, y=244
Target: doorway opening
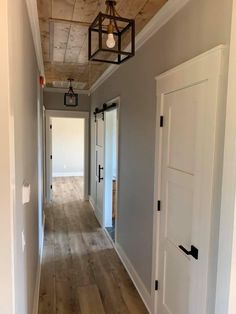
x=110, y=171
x=68, y=152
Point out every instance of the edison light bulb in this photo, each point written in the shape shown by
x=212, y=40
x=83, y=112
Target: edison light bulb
x=110, y=41
x=71, y=100
x=110, y=38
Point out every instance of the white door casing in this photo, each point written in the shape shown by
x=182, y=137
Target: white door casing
x=99, y=164
x=189, y=98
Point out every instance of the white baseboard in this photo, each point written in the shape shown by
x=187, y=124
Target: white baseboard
x=137, y=281
x=97, y=213
x=68, y=174
x=38, y=275
x=92, y=202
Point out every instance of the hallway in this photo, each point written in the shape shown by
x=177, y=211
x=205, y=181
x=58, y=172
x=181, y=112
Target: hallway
x=81, y=272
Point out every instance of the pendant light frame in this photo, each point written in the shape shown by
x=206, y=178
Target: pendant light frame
x=69, y=94
x=100, y=27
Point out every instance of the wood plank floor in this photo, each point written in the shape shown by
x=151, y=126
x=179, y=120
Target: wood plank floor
x=81, y=272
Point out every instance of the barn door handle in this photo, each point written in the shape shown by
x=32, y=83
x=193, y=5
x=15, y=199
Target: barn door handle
x=99, y=173
x=193, y=252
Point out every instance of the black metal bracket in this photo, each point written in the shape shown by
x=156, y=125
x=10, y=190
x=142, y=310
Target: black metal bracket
x=156, y=285
x=193, y=252
x=104, y=108
x=161, y=121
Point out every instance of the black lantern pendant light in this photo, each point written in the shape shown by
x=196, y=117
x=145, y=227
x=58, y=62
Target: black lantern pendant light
x=70, y=98
x=109, y=36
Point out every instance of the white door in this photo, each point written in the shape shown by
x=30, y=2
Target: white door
x=99, y=163
x=188, y=185
x=183, y=260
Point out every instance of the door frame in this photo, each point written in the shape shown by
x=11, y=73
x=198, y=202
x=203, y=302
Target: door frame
x=117, y=101
x=209, y=66
x=66, y=114
x=226, y=276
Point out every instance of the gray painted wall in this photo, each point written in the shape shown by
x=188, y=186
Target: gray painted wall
x=24, y=96
x=55, y=101
x=198, y=27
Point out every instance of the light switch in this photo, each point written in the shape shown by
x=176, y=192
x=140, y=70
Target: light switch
x=25, y=193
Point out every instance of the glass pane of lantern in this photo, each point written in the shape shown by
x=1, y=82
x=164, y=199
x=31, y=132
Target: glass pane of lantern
x=71, y=101
x=106, y=56
x=94, y=42
x=126, y=39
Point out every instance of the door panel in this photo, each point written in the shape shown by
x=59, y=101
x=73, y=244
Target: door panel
x=99, y=158
x=100, y=132
x=182, y=129
x=181, y=218
x=177, y=281
x=179, y=206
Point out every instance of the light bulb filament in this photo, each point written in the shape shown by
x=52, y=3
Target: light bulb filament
x=110, y=38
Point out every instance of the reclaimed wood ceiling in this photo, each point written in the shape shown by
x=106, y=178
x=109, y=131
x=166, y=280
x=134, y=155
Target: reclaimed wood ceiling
x=65, y=42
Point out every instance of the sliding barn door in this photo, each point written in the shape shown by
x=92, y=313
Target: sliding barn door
x=99, y=164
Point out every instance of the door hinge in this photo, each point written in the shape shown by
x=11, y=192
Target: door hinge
x=50, y=126
x=161, y=121
x=50, y=186
x=156, y=285
x=158, y=206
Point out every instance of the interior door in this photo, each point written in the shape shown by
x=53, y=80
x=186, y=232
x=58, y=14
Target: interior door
x=183, y=259
x=99, y=163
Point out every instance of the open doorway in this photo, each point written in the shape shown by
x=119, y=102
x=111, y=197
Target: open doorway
x=110, y=172
x=68, y=153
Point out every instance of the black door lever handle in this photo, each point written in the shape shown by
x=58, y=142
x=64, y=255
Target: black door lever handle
x=193, y=252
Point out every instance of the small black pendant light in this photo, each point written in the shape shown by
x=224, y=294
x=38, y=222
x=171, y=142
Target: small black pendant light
x=109, y=34
x=70, y=98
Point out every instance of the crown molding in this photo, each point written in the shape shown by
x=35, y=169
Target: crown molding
x=160, y=19
x=65, y=90
x=34, y=23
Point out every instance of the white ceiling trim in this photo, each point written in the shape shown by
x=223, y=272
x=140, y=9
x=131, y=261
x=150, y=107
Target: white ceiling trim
x=65, y=90
x=160, y=19
x=34, y=23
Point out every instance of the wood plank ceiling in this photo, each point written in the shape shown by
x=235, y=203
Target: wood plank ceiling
x=65, y=42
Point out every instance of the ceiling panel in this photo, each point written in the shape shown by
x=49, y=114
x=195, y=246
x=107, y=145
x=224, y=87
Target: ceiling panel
x=76, y=40
x=64, y=32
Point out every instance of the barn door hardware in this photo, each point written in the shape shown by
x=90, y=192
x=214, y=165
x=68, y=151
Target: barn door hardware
x=99, y=173
x=104, y=108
